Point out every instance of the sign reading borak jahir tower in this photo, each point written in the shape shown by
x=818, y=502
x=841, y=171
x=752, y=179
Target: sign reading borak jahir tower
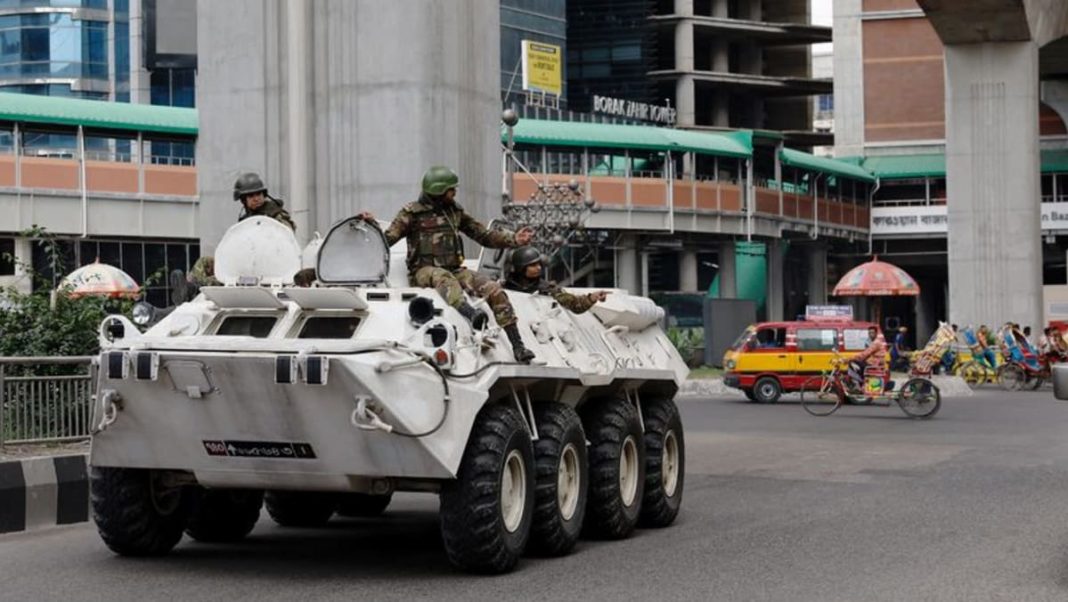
x=630, y=109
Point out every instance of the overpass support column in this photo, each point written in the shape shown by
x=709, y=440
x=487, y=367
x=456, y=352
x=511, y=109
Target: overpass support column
x=728, y=279
x=817, y=273
x=685, y=100
x=688, y=270
x=994, y=240
x=775, y=280
x=628, y=275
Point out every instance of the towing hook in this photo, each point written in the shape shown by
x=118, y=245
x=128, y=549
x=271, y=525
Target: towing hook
x=110, y=406
x=365, y=418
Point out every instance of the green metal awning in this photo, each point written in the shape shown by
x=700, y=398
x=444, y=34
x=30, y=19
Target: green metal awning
x=800, y=160
x=636, y=137
x=932, y=165
x=32, y=108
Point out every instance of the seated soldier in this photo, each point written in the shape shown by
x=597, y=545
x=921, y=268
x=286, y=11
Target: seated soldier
x=432, y=225
x=874, y=356
x=526, y=277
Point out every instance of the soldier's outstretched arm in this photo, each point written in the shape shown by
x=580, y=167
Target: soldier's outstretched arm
x=494, y=239
x=398, y=228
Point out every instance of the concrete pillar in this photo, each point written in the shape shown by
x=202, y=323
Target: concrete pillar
x=628, y=275
x=728, y=274
x=721, y=9
x=926, y=322
x=816, y=255
x=848, y=79
x=392, y=91
x=140, y=84
x=992, y=174
x=775, y=280
x=688, y=270
x=685, y=99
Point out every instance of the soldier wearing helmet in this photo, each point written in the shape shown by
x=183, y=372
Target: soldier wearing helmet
x=526, y=277
x=432, y=226
x=251, y=192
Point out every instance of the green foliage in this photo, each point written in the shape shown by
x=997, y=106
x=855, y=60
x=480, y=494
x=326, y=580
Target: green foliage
x=690, y=343
x=32, y=327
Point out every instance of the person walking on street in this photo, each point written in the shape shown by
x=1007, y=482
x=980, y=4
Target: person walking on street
x=432, y=225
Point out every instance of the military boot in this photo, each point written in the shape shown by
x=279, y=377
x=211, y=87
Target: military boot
x=522, y=354
x=476, y=317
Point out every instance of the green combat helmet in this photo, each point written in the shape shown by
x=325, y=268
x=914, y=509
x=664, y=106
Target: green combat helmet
x=248, y=183
x=439, y=179
x=524, y=256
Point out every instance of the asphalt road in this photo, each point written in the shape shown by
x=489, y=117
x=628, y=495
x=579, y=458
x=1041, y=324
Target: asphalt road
x=863, y=505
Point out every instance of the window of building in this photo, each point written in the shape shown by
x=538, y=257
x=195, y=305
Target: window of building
x=826, y=103
x=37, y=143
x=173, y=87
x=7, y=256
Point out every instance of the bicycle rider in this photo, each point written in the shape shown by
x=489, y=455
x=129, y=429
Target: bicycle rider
x=874, y=356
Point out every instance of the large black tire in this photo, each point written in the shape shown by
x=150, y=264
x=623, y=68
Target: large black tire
x=300, y=508
x=767, y=390
x=665, y=463
x=356, y=505
x=224, y=515
x=749, y=395
x=614, y=500
x=487, y=511
x=561, y=480
x=135, y=513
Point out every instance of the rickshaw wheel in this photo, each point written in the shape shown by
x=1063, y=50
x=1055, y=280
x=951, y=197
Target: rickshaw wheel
x=1034, y=383
x=972, y=373
x=821, y=396
x=1010, y=377
x=919, y=398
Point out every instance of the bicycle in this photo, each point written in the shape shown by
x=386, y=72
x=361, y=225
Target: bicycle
x=823, y=395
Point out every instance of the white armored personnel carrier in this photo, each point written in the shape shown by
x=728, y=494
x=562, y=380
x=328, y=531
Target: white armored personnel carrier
x=328, y=399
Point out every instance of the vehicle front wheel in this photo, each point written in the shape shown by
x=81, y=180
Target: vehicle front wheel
x=136, y=511
x=1011, y=377
x=224, y=515
x=300, y=508
x=767, y=390
x=486, y=512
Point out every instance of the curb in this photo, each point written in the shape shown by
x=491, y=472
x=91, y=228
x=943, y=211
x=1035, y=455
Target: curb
x=43, y=492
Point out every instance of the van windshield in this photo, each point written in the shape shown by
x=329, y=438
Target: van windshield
x=742, y=338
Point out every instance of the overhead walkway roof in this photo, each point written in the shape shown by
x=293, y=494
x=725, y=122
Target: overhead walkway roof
x=933, y=165
x=800, y=160
x=32, y=108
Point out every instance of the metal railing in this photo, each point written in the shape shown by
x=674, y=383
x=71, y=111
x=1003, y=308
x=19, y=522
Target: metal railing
x=40, y=408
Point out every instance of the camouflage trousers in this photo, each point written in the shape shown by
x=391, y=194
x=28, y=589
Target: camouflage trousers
x=203, y=272
x=452, y=284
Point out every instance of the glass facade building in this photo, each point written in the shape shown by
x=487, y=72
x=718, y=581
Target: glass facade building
x=536, y=20
x=61, y=48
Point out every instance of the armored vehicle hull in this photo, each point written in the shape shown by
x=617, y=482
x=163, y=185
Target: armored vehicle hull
x=331, y=398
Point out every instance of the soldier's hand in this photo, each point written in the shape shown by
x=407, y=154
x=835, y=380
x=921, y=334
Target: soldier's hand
x=598, y=296
x=524, y=236
x=366, y=216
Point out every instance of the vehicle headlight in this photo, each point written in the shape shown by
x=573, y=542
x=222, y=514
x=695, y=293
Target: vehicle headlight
x=730, y=364
x=142, y=313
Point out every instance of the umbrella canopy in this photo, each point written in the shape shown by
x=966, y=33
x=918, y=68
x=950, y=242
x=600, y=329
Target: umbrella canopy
x=99, y=279
x=876, y=279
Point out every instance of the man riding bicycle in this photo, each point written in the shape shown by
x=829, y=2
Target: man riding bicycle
x=874, y=356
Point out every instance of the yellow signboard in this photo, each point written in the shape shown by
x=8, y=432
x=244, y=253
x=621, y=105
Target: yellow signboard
x=542, y=68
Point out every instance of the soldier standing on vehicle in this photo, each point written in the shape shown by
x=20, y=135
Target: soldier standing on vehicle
x=251, y=192
x=432, y=227
x=525, y=277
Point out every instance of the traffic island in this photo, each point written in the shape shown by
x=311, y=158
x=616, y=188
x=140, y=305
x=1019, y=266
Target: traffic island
x=43, y=491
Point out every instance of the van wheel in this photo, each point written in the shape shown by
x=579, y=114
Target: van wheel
x=767, y=390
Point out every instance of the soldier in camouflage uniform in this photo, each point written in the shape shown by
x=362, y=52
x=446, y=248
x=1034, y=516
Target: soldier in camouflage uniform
x=525, y=277
x=432, y=227
x=251, y=192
